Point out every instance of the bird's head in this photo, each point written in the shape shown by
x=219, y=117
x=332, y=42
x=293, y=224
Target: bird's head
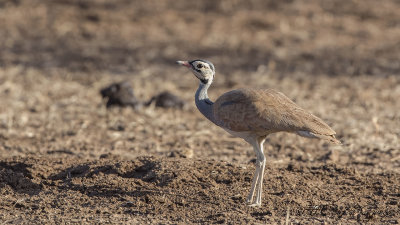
x=202, y=69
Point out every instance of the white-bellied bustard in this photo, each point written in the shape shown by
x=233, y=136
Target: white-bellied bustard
x=253, y=114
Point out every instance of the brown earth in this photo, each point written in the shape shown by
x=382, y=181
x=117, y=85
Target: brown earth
x=65, y=158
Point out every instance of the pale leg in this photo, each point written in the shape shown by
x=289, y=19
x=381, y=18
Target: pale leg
x=256, y=187
x=253, y=184
x=261, y=176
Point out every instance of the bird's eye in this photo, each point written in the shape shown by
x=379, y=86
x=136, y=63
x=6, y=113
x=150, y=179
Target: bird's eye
x=199, y=66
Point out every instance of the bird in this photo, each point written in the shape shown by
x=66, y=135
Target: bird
x=253, y=114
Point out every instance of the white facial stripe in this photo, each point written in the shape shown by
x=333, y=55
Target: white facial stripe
x=205, y=73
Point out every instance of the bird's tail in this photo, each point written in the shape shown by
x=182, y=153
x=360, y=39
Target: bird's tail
x=330, y=138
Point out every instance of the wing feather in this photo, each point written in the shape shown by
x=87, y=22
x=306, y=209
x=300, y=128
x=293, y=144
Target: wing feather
x=265, y=111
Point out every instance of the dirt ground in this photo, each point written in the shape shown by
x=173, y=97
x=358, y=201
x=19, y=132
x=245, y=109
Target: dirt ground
x=65, y=158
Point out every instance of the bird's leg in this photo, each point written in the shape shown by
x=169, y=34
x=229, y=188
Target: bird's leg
x=259, y=174
x=260, y=183
x=253, y=184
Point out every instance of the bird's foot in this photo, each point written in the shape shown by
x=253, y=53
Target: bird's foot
x=255, y=204
x=251, y=203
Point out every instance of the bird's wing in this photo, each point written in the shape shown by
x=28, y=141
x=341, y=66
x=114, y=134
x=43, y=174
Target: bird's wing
x=265, y=111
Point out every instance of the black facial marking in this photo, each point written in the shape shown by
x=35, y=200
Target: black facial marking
x=204, y=81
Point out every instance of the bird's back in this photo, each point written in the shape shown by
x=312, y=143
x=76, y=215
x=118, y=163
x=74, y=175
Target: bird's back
x=265, y=111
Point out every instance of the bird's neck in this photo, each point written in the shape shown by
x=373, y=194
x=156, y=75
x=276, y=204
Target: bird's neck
x=203, y=103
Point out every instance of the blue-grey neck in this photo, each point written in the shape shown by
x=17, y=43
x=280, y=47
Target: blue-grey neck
x=203, y=103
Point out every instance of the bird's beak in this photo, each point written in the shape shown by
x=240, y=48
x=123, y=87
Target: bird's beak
x=184, y=63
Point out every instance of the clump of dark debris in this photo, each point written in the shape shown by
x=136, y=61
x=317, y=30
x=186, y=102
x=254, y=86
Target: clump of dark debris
x=166, y=100
x=121, y=94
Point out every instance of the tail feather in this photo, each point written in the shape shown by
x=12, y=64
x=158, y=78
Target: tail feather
x=330, y=138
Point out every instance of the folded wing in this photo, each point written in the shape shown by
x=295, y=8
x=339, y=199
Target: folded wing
x=264, y=112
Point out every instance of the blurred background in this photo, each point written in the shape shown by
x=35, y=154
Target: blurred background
x=337, y=59
x=315, y=37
